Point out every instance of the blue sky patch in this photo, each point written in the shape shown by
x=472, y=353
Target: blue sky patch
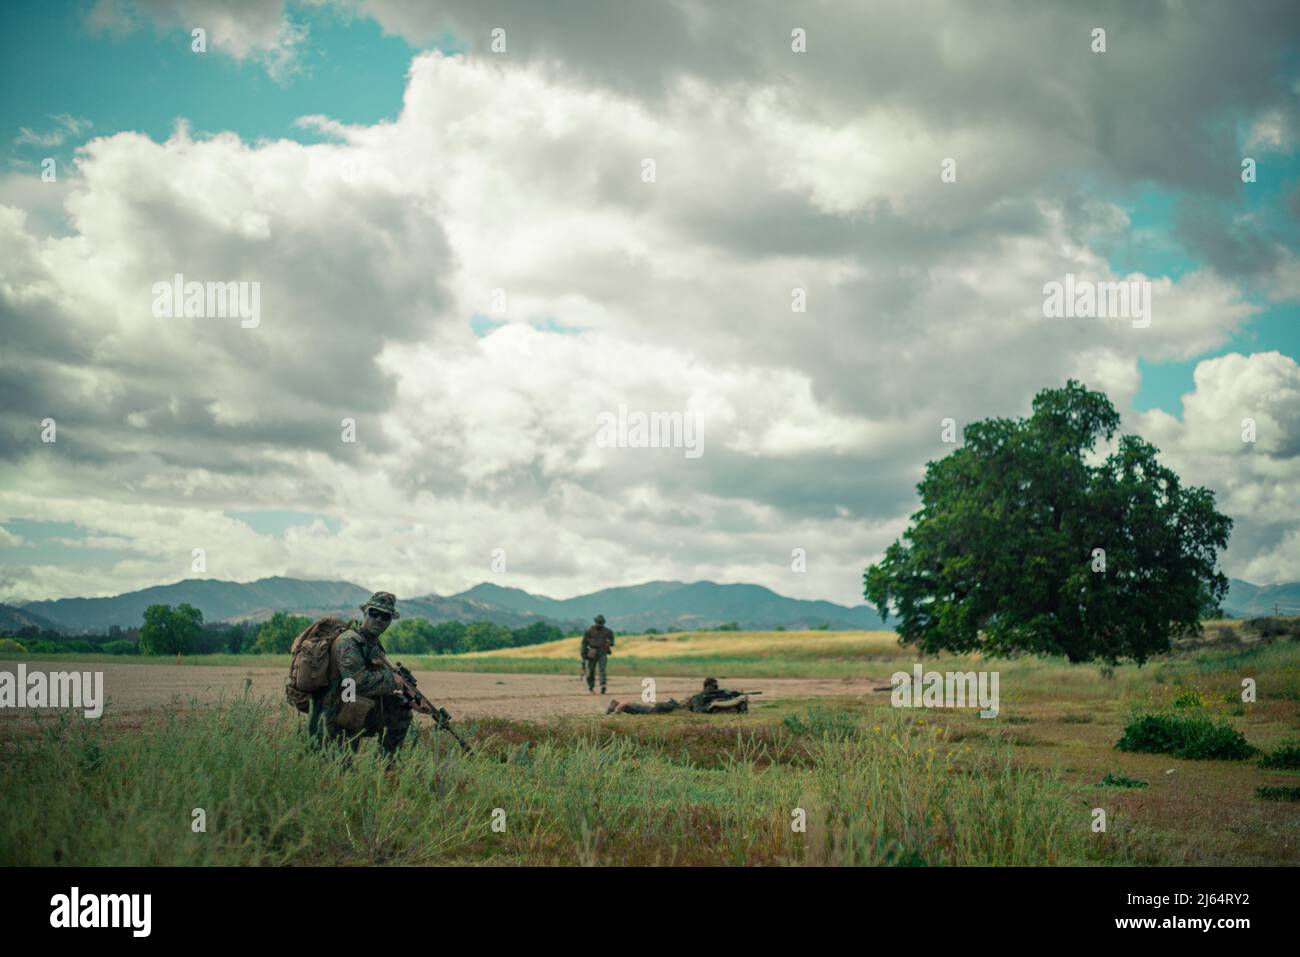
x=276, y=521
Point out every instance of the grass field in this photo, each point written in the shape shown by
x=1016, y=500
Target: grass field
x=756, y=654
x=760, y=653
x=877, y=785
x=742, y=654
x=876, y=789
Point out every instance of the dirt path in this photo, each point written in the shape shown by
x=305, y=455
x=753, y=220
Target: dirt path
x=134, y=688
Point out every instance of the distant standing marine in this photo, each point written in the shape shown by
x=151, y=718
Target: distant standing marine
x=597, y=645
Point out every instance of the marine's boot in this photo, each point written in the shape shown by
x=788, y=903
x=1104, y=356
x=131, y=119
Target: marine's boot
x=613, y=706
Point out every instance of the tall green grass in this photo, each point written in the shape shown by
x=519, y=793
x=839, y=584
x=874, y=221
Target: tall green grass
x=675, y=789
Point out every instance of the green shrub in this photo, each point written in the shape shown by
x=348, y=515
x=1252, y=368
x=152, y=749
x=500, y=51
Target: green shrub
x=822, y=723
x=42, y=647
x=1275, y=627
x=1285, y=757
x=1184, y=736
x=1113, y=780
x=1278, y=793
x=11, y=648
x=120, y=648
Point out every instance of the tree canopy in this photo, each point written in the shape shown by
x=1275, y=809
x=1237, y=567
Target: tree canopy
x=170, y=631
x=275, y=635
x=1027, y=543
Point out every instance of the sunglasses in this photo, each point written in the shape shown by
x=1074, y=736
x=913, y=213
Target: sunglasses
x=378, y=615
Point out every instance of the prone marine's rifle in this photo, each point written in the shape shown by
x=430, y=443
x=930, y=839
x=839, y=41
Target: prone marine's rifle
x=707, y=700
x=724, y=694
x=407, y=688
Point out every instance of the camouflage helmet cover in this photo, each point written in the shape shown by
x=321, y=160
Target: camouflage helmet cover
x=600, y=619
x=384, y=601
x=710, y=683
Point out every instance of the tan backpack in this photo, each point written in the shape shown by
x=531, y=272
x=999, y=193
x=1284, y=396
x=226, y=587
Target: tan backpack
x=312, y=666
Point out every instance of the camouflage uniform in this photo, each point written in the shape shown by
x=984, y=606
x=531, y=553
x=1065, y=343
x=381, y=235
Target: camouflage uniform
x=361, y=658
x=714, y=699
x=662, y=707
x=599, y=639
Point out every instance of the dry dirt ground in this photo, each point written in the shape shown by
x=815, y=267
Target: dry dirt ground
x=136, y=688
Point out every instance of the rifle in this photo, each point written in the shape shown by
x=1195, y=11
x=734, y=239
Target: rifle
x=415, y=698
x=707, y=699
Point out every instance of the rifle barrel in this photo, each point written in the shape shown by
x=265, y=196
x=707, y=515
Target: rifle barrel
x=419, y=695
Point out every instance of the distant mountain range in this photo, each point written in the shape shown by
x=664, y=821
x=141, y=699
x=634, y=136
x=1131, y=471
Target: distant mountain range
x=681, y=606
x=668, y=606
x=14, y=620
x=1255, y=601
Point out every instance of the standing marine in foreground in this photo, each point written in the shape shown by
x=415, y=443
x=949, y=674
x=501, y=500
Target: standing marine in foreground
x=597, y=643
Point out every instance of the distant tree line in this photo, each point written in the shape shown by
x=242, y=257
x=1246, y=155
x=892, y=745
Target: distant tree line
x=118, y=641
x=181, y=630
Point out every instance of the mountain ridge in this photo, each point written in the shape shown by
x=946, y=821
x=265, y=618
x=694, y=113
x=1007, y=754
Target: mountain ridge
x=665, y=605
x=1256, y=601
x=659, y=604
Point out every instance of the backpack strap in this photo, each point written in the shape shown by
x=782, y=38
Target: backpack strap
x=336, y=676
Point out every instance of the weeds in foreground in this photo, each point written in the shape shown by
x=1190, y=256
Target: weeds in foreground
x=237, y=784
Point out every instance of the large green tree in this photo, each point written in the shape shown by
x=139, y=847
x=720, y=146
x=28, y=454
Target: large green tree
x=486, y=636
x=170, y=631
x=1028, y=541
x=449, y=637
x=412, y=636
x=537, y=633
x=275, y=635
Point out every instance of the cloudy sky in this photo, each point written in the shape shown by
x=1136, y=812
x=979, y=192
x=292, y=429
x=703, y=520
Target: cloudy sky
x=478, y=251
